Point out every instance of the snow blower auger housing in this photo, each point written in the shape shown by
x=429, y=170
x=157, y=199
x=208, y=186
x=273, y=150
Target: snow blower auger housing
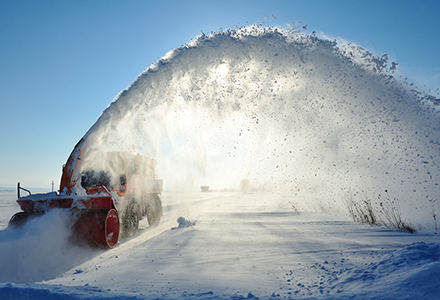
x=107, y=192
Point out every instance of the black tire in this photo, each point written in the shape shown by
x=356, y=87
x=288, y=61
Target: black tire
x=19, y=219
x=155, y=211
x=130, y=219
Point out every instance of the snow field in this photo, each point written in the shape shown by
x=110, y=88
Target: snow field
x=248, y=245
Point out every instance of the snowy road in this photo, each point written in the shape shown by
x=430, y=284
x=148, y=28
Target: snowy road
x=240, y=244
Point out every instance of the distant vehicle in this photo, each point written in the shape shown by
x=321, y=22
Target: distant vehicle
x=107, y=192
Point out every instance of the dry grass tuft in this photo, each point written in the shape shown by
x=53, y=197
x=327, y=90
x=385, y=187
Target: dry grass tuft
x=385, y=212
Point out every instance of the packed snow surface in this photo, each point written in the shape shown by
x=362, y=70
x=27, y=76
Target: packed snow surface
x=289, y=127
x=228, y=245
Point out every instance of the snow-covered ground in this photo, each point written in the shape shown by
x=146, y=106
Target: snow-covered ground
x=232, y=245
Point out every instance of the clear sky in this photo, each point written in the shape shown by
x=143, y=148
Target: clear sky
x=63, y=62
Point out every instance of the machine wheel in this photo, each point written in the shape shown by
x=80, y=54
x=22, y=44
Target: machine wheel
x=130, y=219
x=19, y=219
x=99, y=228
x=154, y=211
x=111, y=228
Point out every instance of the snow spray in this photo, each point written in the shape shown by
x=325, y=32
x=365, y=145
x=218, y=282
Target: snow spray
x=40, y=250
x=283, y=110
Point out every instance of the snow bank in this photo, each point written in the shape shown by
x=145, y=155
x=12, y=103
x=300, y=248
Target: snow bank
x=412, y=272
x=12, y=291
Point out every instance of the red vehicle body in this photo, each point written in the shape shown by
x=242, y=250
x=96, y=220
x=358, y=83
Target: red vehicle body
x=107, y=193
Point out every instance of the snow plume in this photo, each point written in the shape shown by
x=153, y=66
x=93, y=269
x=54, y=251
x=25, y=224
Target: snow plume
x=285, y=111
x=40, y=250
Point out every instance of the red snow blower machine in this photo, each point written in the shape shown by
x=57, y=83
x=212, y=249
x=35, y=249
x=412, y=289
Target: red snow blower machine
x=107, y=194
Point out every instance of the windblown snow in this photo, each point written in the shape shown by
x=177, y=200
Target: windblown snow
x=284, y=111
x=284, y=127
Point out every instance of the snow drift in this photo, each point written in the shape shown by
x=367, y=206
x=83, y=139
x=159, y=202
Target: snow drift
x=403, y=271
x=284, y=111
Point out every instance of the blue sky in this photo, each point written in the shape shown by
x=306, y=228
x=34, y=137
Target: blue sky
x=63, y=62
